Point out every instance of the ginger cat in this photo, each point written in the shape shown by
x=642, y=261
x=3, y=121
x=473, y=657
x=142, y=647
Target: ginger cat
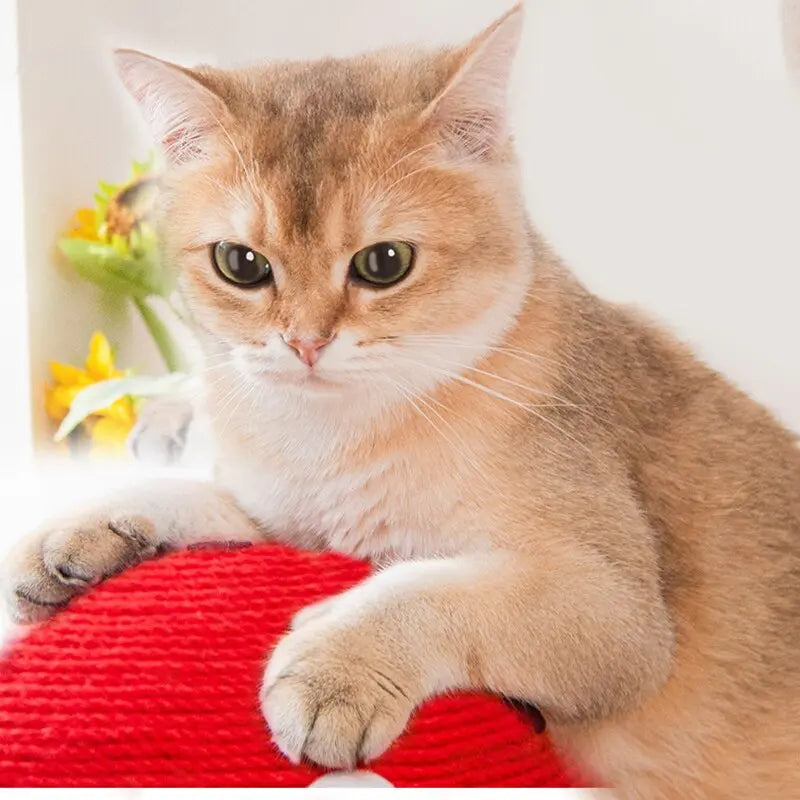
x=574, y=510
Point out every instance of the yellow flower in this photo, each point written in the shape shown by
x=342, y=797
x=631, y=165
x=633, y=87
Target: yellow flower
x=58, y=399
x=100, y=361
x=109, y=427
x=85, y=226
x=120, y=411
x=121, y=208
x=108, y=436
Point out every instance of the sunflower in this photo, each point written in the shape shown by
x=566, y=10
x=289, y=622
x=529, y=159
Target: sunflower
x=121, y=210
x=85, y=226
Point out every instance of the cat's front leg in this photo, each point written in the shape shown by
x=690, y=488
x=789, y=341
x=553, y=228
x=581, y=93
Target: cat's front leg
x=66, y=556
x=565, y=633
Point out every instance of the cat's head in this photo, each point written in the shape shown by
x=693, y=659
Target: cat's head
x=346, y=221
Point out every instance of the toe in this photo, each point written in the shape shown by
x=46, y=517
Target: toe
x=384, y=727
x=334, y=739
x=72, y=574
x=289, y=718
x=33, y=603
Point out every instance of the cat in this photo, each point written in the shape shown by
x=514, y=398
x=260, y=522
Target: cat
x=569, y=508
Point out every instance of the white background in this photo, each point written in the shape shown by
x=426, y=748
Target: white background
x=660, y=143
x=14, y=374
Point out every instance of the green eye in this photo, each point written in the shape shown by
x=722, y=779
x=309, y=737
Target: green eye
x=384, y=263
x=239, y=264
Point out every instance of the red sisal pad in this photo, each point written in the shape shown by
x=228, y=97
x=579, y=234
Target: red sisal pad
x=152, y=680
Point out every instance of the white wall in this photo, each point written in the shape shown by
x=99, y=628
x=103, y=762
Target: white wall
x=15, y=445
x=660, y=141
x=663, y=158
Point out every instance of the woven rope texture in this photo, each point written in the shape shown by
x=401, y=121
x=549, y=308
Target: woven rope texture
x=152, y=680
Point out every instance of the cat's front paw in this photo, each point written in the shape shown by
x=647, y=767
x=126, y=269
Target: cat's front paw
x=160, y=434
x=64, y=559
x=332, y=696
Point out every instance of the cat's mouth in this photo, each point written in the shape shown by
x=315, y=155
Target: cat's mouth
x=302, y=380
x=309, y=378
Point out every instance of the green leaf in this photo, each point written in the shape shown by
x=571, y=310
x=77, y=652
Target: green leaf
x=105, y=265
x=103, y=394
x=146, y=167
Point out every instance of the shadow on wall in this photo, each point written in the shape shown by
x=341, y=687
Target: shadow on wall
x=790, y=19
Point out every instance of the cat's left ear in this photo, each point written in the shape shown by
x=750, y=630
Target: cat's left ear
x=471, y=113
x=187, y=119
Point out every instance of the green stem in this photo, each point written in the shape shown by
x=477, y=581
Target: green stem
x=161, y=335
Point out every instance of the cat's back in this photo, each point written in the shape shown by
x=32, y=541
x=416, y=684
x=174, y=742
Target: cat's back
x=721, y=484
x=719, y=480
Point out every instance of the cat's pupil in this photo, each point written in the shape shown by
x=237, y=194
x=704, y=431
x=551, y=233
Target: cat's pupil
x=382, y=262
x=242, y=263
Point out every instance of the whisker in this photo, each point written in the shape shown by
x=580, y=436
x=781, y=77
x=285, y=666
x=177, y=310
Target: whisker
x=217, y=382
x=212, y=357
x=255, y=402
x=222, y=187
x=513, y=352
x=464, y=342
x=427, y=400
x=510, y=382
x=244, y=396
x=238, y=385
x=530, y=407
x=247, y=173
x=399, y=161
x=219, y=365
x=448, y=164
x=411, y=398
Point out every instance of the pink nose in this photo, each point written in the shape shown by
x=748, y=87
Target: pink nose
x=308, y=349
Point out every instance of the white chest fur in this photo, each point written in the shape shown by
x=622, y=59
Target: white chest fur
x=299, y=486
x=342, y=511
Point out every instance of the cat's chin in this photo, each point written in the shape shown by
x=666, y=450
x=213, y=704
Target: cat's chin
x=310, y=381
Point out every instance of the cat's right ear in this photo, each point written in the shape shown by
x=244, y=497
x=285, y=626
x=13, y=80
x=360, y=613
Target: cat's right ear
x=470, y=114
x=187, y=119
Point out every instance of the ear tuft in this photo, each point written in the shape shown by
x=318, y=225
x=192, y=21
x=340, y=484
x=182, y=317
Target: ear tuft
x=185, y=117
x=471, y=113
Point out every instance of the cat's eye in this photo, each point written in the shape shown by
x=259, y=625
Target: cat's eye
x=384, y=263
x=240, y=264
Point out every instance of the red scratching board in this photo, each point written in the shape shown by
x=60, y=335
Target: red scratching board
x=152, y=680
